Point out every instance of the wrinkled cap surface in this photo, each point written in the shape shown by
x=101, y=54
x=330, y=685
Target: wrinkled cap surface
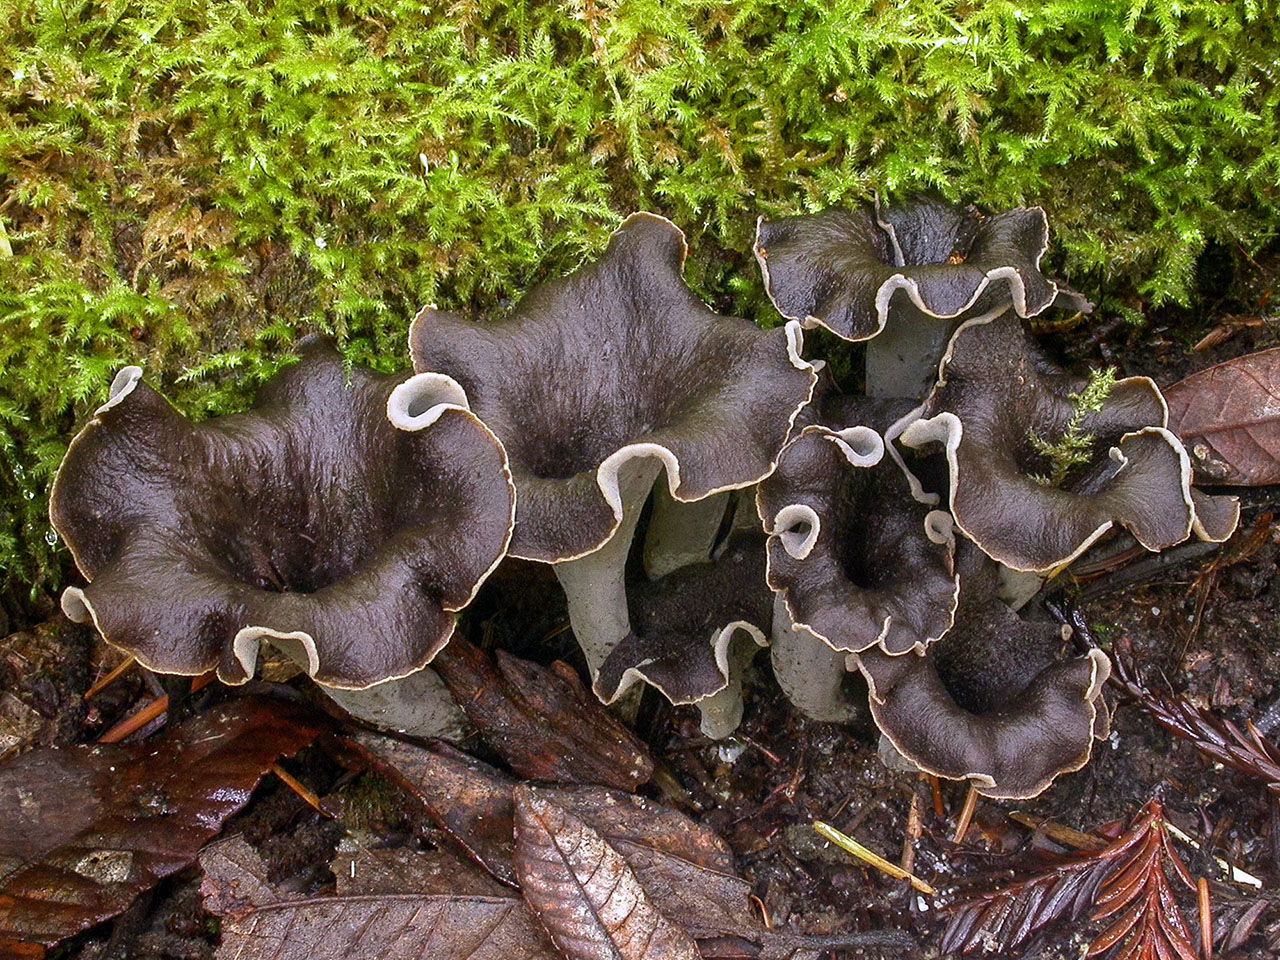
x=309, y=518
x=998, y=701
x=844, y=269
x=848, y=548
x=996, y=394
x=616, y=361
x=685, y=622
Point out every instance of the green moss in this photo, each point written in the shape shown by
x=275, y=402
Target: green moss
x=1073, y=447
x=191, y=184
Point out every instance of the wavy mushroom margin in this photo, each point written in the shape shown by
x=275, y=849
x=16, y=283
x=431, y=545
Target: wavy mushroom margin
x=139, y=477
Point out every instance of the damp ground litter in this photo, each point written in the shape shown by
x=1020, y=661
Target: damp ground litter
x=1200, y=623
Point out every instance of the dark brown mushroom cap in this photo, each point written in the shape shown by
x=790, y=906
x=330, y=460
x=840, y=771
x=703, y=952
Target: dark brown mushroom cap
x=998, y=701
x=616, y=361
x=852, y=555
x=309, y=518
x=684, y=623
x=842, y=269
x=996, y=393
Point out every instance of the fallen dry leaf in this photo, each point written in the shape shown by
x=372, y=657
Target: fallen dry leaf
x=687, y=869
x=84, y=830
x=262, y=923
x=541, y=720
x=583, y=891
x=1229, y=418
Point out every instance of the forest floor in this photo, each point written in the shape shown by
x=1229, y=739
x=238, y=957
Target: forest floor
x=1205, y=625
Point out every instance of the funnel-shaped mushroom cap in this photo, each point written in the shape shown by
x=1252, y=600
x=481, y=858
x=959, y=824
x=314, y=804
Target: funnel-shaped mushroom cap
x=685, y=622
x=999, y=402
x=856, y=560
x=842, y=269
x=618, y=361
x=997, y=701
x=348, y=512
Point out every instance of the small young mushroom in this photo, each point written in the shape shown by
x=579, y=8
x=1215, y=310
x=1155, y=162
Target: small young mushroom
x=695, y=630
x=1042, y=463
x=346, y=518
x=995, y=701
x=598, y=381
x=854, y=559
x=904, y=278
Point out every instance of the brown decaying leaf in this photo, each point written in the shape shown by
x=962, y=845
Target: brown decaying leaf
x=541, y=720
x=1229, y=418
x=583, y=891
x=466, y=798
x=84, y=830
x=361, y=871
x=261, y=923
x=688, y=871
x=1125, y=881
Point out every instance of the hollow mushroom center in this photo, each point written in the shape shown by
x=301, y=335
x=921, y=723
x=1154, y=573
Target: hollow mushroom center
x=864, y=540
x=984, y=671
x=1057, y=455
x=291, y=523
x=585, y=404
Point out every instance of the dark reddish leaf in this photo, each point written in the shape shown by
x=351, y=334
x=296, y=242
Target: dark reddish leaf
x=1008, y=917
x=1216, y=738
x=83, y=830
x=260, y=923
x=1229, y=418
x=583, y=891
x=541, y=720
x=1147, y=920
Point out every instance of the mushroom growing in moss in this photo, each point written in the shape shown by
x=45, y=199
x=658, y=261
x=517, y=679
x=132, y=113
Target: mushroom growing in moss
x=596, y=383
x=903, y=278
x=999, y=701
x=346, y=517
x=1042, y=463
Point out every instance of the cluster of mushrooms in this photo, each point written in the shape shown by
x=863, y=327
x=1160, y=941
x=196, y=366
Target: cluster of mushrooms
x=348, y=517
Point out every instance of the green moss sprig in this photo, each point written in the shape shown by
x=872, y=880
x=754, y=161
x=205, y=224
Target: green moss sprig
x=1074, y=448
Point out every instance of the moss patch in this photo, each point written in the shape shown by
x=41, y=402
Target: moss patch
x=192, y=184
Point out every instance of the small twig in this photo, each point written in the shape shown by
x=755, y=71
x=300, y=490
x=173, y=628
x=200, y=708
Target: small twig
x=851, y=846
x=1234, y=872
x=1206, y=919
x=132, y=724
x=936, y=789
x=1056, y=831
x=966, y=815
x=294, y=784
x=912, y=834
x=1142, y=569
x=773, y=757
x=765, y=916
x=112, y=676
